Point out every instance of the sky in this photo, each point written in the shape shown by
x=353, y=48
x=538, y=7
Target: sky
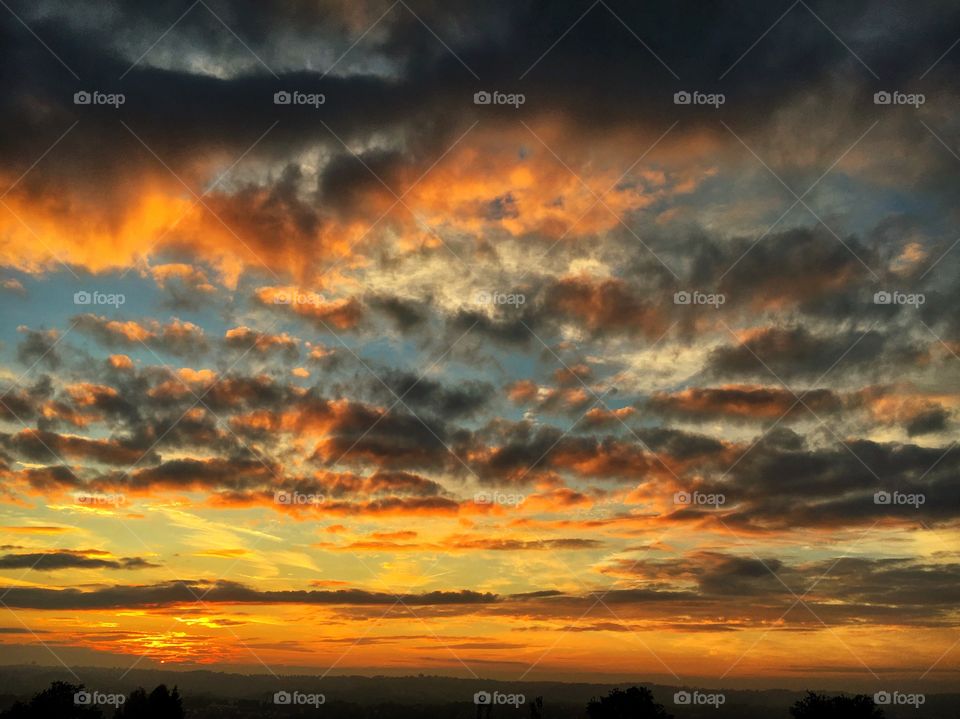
x=520, y=339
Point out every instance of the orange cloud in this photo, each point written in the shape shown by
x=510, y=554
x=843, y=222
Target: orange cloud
x=744, y=401
x=261, y=341
x=120, y=362
x=342, y=314
x=522, y=391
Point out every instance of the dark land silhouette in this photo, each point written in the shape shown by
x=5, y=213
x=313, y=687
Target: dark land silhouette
x=214, y=695
x=60, y=701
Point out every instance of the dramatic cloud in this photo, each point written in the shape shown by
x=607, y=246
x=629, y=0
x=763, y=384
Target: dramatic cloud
x=500, y=317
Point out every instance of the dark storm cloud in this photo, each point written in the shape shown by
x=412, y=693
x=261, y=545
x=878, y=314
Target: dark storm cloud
x=929, y=421
x=400, y=441
x=779, y=485
x=509, y=451
x=502, y=42
x=678, y=443
x=745, y=403
x=797, y=353
x=807, y=267
x=216, y=114
x=521, y=451
x=238, y=391
x=16, y=405
x=410, y=84
x=337, y=485
x=39, y=346
x=821, y=276
x=51, y=479
x=431, y=396
x=348, y=181
x=509, y=329
x=67, y=559
x=403, y=313
x=192, y=473
x=847, y=589
x=178, y=432
x=186, y=592
x=19, y=403
x=49, y=446
x=741, y=576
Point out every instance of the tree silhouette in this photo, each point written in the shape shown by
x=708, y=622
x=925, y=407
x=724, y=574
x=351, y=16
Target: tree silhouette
x=634, y=703
x=820, y=706
x=57, y=701
x=159, y=704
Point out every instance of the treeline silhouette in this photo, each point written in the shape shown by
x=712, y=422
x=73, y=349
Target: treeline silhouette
x=60, y=701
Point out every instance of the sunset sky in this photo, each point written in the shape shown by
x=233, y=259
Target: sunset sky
x=390, y=379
